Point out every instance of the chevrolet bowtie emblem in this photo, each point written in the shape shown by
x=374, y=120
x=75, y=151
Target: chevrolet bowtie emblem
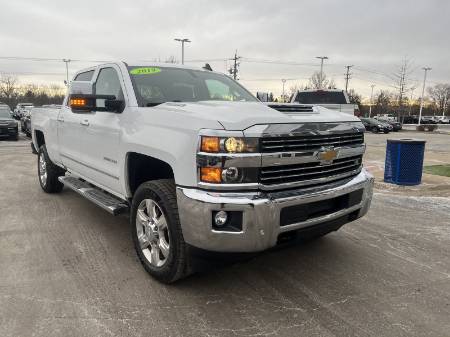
x=327, y=155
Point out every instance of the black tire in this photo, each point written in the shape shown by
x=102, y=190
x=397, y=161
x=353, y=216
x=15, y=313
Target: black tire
x=176, y=265
x=16, y=137
x=375, y=129
x=386, y=131
x=51, y=183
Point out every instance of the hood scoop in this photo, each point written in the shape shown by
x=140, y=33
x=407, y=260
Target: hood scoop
x=294, y=109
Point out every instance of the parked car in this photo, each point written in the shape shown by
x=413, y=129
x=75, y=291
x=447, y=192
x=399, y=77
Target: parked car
x=441, y=119
x=385, y=117
x=20, y=108
x=169, y=143
x=376, y=126
x=396, y=126
x=25, y=116
x=8, y=126
x=25, y=123
x=428, y=120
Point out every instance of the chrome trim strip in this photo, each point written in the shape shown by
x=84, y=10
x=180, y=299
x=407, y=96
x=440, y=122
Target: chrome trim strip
x=299, y=129
x=88, y=166
x=229, y=159
x=262, y=187
x=290, y=158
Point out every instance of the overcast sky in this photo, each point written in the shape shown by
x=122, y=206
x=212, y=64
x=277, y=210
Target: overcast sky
x=375, y=36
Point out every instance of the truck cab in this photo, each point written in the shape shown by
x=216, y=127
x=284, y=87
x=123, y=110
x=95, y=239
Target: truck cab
x=199, y=163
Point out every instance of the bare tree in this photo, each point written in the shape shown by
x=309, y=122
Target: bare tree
x=319, y=82
x=354, y=97
x=8, y=86
x=440, y=94
x=383, y=101
x=171, y=59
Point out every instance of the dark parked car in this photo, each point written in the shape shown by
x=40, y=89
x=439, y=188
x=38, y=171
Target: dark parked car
x=8, y=126
x=376, y=126
x=428, y=120
x=396, y=126
x=25, y=123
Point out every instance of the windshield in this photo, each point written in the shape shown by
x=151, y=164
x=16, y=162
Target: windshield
x=321, y=97
x=4, y=113
x=156, y=85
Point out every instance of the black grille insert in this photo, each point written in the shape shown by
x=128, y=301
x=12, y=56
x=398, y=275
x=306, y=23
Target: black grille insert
x=300, y=213
x=273, y=175
x=310, y=143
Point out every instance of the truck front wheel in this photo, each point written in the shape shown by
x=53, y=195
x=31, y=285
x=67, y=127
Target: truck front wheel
x=156, y=231
x=48, y=172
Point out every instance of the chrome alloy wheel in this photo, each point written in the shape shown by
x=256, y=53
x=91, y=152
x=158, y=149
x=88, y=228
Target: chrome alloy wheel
x=152, y=232
x=42, y=170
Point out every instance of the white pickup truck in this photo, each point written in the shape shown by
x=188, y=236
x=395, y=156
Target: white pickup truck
x=333, y=99
x=200, y=163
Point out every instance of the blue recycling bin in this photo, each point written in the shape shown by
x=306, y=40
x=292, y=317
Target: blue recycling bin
x=404, y=161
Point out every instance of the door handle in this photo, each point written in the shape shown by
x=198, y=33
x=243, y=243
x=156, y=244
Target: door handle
x=85, y=122
x=60, y=119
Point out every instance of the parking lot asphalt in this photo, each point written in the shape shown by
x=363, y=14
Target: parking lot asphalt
x=67, y=268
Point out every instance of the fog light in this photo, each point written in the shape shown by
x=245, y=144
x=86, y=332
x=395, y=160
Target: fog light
x=221, y=218
x=231, y=175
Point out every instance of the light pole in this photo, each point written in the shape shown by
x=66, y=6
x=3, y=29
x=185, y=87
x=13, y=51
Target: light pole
x=426, y=69
x=321, y=68
x=183, y=41
x=66, y=61
x=371, y=99
x=411, y=102
x=283, y=80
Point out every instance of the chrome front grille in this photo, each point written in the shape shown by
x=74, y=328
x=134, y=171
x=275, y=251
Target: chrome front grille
x=310, y=143
x=311, y=173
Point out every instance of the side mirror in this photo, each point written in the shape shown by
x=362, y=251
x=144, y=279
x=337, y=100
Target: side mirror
x=82, y=99
x=81, y=103
x=114, y=105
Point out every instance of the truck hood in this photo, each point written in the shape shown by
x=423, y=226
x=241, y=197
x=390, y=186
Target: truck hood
x=242, y=115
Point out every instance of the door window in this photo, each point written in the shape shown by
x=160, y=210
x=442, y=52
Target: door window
x=108, y=83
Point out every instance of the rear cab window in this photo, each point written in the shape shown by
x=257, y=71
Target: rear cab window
x=321, y=97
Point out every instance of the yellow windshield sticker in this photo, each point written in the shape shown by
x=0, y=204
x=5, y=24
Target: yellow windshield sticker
x=145, y=71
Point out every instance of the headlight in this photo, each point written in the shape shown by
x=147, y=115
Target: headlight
x=228, y=144
x=12, y=124
x=380, y=126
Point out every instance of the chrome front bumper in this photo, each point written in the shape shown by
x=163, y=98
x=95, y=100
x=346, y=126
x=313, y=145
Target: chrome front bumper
x=261, y=213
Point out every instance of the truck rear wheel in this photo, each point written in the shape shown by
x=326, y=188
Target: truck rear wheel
x=48, y=172
x=156, y=231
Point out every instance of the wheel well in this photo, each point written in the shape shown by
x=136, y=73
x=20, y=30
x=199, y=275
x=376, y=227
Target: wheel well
x=40, y=140
x=142, y=168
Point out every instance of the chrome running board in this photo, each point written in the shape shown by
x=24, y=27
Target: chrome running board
x=99, y=197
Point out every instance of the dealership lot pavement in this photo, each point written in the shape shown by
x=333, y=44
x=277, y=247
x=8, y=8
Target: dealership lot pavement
x=67, y=268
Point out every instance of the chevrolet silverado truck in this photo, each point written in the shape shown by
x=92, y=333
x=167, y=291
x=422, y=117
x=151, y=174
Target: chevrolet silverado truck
x=199, y=163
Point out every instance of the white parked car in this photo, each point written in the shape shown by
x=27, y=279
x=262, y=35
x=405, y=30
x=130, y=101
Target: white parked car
x=199, y=162
x=441, y=119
